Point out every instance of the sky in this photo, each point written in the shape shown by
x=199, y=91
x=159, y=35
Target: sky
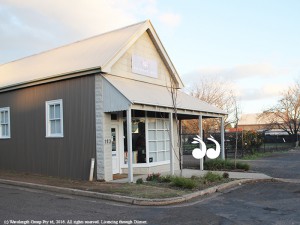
x=253, y=45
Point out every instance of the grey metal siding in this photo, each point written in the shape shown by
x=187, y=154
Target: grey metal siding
x=28, y=149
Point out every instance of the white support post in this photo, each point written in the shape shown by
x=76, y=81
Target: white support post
x=129, y=146
x=201, y=135
x=222, y=139
x=171, y=143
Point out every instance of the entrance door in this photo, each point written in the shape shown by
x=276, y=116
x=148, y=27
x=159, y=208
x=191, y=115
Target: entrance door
x=115, y=149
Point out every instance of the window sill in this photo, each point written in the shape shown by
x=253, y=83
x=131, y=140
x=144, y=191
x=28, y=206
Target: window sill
x=55, y=136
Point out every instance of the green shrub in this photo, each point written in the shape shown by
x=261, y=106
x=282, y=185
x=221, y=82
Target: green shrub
x=183, y=182
x=139, y=181
x=212, y=177
x=194, y=177
x=242, y=166
x=153, y=177
x=165, y=179
x=220, y=164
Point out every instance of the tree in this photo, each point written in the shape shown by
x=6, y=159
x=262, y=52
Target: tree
x=216, y=92
x=285, y=114
x=173, y=90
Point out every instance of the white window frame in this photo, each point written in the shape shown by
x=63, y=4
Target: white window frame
x=165, y=140
x=5, y=109
x=48, y=126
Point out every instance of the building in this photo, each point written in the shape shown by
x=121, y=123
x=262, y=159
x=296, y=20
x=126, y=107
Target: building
x=63, y=107
x=252, y=121
x=259, y=122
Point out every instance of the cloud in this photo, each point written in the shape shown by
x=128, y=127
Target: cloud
x=265, y=92
x=170, y=19
x=33, y=26
x=238, y=72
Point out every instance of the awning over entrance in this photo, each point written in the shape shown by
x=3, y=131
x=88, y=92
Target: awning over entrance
x=120, y=93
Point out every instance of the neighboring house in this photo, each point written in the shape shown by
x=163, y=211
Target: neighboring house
x=255, y=121
x=107, y=97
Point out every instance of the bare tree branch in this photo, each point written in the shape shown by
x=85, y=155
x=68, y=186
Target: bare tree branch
x=285, y=114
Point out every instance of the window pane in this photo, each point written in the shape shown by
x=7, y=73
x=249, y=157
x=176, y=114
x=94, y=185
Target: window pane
x=57, y=127
x=3, y=130
x=167, y=145
x=2, y=117
x=160, y=124
x=167, y=135
x=6, y=130
x=166, y=124
x=6, y=117
x=57, y=111
x=52, y=127
x=167, y=155
x=151, y=124
x=161, y=156
x=152, y=135
x=152, y=146
x=51, y=112
x=152, y=157
x=160, y=135
x=160, y=145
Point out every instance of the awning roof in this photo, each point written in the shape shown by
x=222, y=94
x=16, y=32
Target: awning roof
x=141, y=93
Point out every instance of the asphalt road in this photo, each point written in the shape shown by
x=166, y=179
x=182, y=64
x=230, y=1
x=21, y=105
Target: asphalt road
x=257, y=203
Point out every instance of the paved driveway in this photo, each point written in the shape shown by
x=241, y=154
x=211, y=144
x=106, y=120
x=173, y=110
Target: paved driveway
x=258, y=203
x=279, y=165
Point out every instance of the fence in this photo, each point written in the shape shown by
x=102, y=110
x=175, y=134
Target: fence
x=245, y=144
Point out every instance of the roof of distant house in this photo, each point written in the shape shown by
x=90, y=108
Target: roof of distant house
x=252, y=119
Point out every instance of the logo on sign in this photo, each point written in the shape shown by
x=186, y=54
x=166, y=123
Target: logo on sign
x=199, y=153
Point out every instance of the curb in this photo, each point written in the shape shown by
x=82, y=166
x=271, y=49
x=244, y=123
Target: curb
x=133, y=200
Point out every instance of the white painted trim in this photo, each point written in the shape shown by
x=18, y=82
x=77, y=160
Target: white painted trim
x=201, y=135
x=47, y=104
x=6, y=109
x=118, y=144
x=129, y=145
x=146, y=165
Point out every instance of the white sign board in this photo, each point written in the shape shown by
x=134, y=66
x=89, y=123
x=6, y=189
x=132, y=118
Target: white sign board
x=144, y=66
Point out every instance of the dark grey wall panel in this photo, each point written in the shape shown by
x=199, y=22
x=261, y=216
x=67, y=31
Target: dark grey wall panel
x=28, y=149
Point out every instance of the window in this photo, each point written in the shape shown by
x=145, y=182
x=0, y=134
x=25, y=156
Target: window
x=4, y=123
x=158, y=140
x=54, y=118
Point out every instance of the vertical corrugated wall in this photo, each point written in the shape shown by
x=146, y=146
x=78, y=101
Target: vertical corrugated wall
x=28, y=150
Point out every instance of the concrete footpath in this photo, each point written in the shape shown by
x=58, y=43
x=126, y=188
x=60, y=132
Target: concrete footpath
x=242, y=177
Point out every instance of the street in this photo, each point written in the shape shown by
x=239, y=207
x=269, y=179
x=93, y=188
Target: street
x=256, y=203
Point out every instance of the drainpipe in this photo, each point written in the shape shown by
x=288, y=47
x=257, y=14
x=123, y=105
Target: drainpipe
x=222, y=139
